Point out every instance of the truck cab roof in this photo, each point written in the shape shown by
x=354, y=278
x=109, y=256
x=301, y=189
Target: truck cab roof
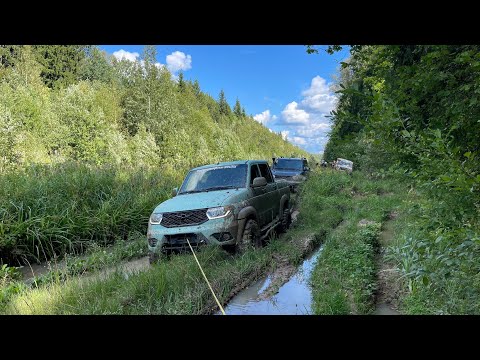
x=226, y=163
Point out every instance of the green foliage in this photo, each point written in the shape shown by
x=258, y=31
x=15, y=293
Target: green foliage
x=60, y=63
x=413, y=111
x=331, y=49
x=8, y=274
x=96, y=66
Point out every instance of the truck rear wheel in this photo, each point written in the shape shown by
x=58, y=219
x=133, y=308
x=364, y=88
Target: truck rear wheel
x=285, y=221
x=251, y=237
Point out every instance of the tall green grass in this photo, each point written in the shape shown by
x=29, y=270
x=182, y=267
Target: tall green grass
x=47, y=211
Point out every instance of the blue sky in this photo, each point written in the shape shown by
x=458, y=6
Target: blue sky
x=282, y=86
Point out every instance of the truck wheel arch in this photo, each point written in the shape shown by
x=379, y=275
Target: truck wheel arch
x=248, y=212
x=284, y=200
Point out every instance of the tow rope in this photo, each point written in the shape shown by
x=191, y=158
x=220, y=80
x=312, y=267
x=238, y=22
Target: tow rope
x=205, y=277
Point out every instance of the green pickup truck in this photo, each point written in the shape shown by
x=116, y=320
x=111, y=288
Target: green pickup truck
x=232, y=204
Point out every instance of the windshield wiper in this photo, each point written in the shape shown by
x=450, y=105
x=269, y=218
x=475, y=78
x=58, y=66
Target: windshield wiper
x=190, y=192
x=208, y=189
x=220, y=188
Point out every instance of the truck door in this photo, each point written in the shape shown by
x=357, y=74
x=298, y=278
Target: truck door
x=259, y=195
x=271, y=198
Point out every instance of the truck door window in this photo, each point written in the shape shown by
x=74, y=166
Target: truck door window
x=265, y=172
x=254, y=173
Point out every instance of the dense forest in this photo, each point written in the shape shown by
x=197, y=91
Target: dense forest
x=90, y=144
x=413, y=112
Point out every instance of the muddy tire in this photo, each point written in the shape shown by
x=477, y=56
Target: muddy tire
x=250, y=238
x=285, y=221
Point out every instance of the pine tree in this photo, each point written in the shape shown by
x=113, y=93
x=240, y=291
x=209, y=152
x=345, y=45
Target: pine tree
x=223, y=104
x=61, y=63
x=181, y=82
x=244, y=114
x=196, y=88
x=237, y=110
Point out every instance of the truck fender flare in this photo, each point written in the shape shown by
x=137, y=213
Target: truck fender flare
x=243, y=215
x=285, y=198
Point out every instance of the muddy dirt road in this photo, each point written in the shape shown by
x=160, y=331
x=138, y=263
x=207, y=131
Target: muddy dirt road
x=386, y=297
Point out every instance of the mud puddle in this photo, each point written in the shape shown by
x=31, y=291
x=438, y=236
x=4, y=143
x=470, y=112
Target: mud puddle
x=127, y=269
x=293, y=298
x=29, y=271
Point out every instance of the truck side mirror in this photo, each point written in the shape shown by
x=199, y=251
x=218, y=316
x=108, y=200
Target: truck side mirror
x=174, y=192
x=259, y=182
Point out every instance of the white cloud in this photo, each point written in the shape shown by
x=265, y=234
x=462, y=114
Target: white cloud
x=133, y=56
x=313, y=130
x=293, y=115
x=127, y=55
x=284, y=134
x=298, y=140
x=264, y=117
x=318, y=97
x=178, y=61
x=305, y=122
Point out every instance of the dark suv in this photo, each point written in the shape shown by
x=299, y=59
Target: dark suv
x=293, y=170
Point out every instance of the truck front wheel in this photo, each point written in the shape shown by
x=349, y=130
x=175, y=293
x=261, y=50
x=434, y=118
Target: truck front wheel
x=251, y=237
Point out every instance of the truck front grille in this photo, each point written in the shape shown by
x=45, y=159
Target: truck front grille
x=184, y=218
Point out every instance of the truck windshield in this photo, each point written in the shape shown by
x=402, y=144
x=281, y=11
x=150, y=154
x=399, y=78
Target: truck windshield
x=289, y=164
x=215, y=178
x=344, y=163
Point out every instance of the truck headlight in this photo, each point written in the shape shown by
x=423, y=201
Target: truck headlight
x=156, y=218
x=219, y=212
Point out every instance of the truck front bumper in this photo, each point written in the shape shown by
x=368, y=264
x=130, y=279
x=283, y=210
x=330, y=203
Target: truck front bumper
x=216, y=232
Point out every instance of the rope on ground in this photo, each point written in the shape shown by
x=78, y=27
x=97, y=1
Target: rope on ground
x=205, y=277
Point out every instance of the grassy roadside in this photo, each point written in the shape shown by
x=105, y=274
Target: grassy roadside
x=433, y=252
